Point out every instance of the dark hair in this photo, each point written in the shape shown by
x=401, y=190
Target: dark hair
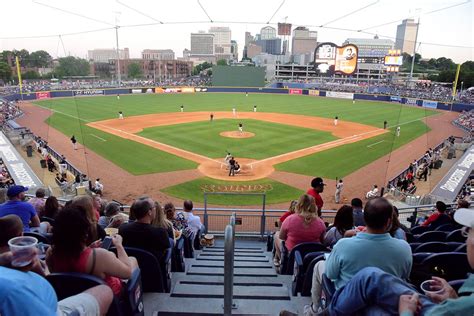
x=10, y=227
x=70, y=232
x=377, y=212
x=356, y=202
x=51, y=207
x=344, y=220
x=188, y=205
x=395, y=222
x=40, y=193
x=168, y=209
x=111, y=209
x=140, y=207
x=440, y=206
x=463, y=204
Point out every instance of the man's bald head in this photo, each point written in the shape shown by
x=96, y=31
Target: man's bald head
x=377, y=213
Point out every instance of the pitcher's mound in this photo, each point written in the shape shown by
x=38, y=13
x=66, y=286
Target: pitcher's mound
x=250, y=170
x=237, y=134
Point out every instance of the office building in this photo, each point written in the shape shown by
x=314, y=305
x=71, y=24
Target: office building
x=270, y=46
x=202, y=44
x=158, y=54
x=304, y=41
x=222, y=41
x=406, y=36
x=267, y=33
x=253, y=50
x=102, y=55
x=234, y=50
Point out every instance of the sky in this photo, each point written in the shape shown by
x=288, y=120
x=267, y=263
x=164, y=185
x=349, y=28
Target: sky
x=447, y=33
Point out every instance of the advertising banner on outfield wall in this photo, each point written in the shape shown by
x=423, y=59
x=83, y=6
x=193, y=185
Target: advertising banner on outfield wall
x=141, y=90
x=19, y=170
x=430, y=104
x=340, y=95
x=313, y=92
x=410, y=101
x=89, y=92
x=200, y=89
x=295, y=91
x=448, y=188
x=159, y=90
x=394, y=98
x=43, y=95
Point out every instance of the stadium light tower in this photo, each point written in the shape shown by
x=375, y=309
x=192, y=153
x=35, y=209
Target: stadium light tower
x=414, y=46
x=119, y=76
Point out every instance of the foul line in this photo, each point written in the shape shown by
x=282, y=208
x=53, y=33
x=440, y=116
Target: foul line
x=104, y=140
x=375, y=143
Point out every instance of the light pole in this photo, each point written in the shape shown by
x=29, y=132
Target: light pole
x=462, y=83
x=119, y=76
x=414, y=50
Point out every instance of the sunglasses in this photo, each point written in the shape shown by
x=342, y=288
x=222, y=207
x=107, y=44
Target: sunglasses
x=465, y=231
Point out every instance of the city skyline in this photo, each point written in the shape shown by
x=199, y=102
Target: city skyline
x=177, y=36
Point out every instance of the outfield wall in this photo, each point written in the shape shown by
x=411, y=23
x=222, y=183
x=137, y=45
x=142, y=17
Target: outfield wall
x=41, y=95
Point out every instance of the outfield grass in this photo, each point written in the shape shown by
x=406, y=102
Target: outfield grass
x=270, y=139
x=342, y=161
x=71, y=114
x=193, y=190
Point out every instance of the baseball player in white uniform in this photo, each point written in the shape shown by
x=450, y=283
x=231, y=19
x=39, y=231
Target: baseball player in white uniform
x=255, y=108
x=120, y=115
x=241, y=128
x=398, y=131
x=233, y=111
x=335, y=120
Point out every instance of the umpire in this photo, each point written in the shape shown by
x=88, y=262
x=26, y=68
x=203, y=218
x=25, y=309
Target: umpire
x=232, y=167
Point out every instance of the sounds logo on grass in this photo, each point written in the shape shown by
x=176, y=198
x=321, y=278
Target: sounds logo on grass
x=260, y=188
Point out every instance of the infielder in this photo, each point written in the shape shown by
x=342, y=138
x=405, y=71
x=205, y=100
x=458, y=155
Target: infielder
x=398, y=131
x=118, y=97
x=182, y=108
x=255, y=108
x=233, y=111
x=120, y=115
x=335, y=120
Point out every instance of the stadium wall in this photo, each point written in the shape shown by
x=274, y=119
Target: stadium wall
x=456, y=107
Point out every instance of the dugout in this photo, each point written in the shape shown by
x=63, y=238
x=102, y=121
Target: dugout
x=238, y=76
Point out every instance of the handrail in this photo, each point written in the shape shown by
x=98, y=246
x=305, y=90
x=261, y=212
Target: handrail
x=229, y=245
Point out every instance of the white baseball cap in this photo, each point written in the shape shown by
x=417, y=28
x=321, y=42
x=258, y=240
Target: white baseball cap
x=465, y=217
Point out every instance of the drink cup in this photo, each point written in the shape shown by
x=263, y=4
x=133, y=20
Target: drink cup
x=430, y=287
x=23, y=250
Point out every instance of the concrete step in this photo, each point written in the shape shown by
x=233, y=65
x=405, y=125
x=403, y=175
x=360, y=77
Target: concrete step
x=252, y=282
x=251, y=264
x=238, y=248
x=236, y=255
x=211, y=250
x=237, y=271
x=240, y=292
x=237, y=259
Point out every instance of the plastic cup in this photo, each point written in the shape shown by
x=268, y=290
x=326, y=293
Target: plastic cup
x=23, y=250
x=430, y=287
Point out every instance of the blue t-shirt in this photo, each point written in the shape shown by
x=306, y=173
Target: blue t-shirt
x=350, y=255
x=22, y=209
x=25, y=293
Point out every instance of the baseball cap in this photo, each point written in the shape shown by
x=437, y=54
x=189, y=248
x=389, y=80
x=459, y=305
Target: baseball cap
x=15, y=190
x=316, y=182
x=465, y=217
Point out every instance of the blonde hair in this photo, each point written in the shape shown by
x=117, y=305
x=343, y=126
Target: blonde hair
x=292, y=208
x=306, y=208
x=160, y=219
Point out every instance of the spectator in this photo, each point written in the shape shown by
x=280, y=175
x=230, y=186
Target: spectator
x=317, y=187
x=161, y=221
x=276, y=236
x=141, y=234
x=112, y=218
x=357, y=212
x=97, y=205
x=38, y=201
x=194, y=222
x=179, y=222
x=396, y=231
x=51, y=207
x=374, y=290
x=26, y=211
x=303, y=226
x=375, y=248
x=69, y=251
x=10, y=227
x=343, y=222
x=86, y=204
x=438, y=217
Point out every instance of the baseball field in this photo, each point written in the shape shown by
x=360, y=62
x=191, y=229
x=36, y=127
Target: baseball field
x=288, y=133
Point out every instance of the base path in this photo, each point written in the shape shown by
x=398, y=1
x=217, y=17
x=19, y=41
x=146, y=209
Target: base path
x=347, y=132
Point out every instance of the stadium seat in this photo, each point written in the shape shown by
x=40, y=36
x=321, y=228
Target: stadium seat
x=301, y=268
x=188, y=247
x=461, y=248
x=270, y=241
x=418, y=230
x=308, y=277
x=328, y=290
x=288, y=258
x=446, y=228
x=433, y=246
x=441, y=220
x=431, y=236
x=41, y=237
x=69, y=284
x=414, y=245
x=152, y=274
x=47, y=219
x=197, y=241
x=177, y=260
x=456, y=236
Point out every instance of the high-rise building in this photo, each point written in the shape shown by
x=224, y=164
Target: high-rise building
x=101, y=55
x=234, y=50
x=248, y=38
x=267, y=33
x=270, y=46
x=406, y=36
x=253, y=50
x=304, y=41
x=222, y=38
x=202, y=44
x=158, y=54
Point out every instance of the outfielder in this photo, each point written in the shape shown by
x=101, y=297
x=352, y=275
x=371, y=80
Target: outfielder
x=255, y=108
x=398, y=131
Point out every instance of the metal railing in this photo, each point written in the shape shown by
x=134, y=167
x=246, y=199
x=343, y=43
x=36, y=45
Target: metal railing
x=229, y=247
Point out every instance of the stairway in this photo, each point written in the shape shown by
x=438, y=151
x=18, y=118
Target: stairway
x=258, y=289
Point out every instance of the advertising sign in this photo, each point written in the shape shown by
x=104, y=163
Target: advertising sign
x=43, y=95
x=340, y=95
x=330, y=58
x=200, y=89
x=88, y=92
x=136, y=90
x=284, y=29
x=394, y=98
x=393, y=60
x=159, y=90
x=313, y=92
x=295, y=91
x=411, y=101
x=187, y=89
x=430, y=104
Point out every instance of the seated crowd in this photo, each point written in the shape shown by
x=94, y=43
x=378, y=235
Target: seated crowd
x=78, y=243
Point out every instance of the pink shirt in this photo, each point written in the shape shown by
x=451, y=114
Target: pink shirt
x=297, y=231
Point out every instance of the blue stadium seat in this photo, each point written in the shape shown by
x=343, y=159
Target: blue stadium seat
x=448, y=265
x=441, y=220
x=308, y=277
x=188, y=247
x=197, y=240
x=414, y=245
x=456, y=236
x=41, y=237
x=461, y=248
x=288, y=259
x=177, y=260
x=47, y=219
x=418, y=230
x=433, y=246
x=328, y=290
x=431, y=236
x=446, y=227
x=301, y=269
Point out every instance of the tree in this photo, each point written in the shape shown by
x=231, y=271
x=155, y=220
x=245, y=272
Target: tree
x=40, y=59
x=31, y=74
x=72, y=66
x=5, y=71
x=134, y=70
x=222, y=62
x=199, y=68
